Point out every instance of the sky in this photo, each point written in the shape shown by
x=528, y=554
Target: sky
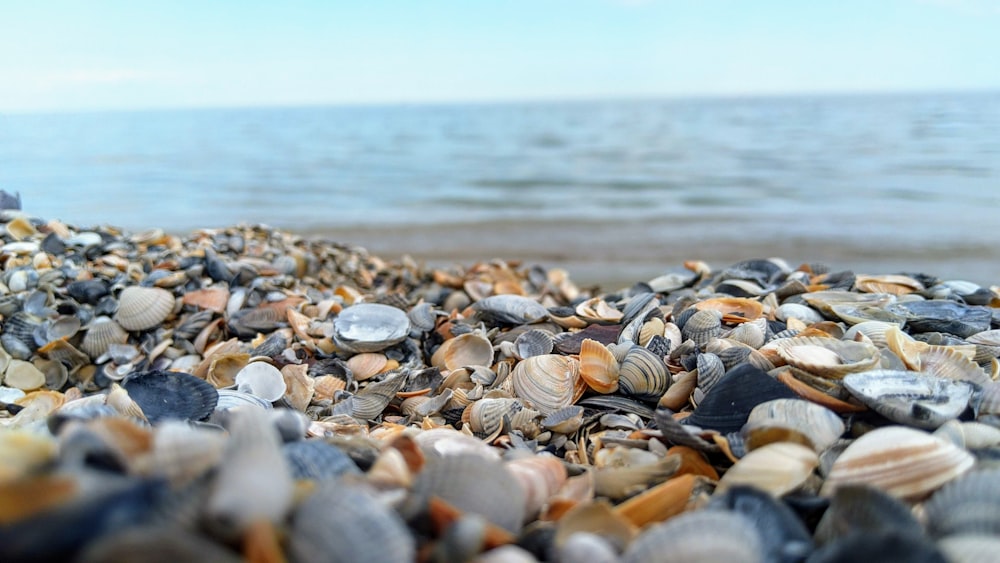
x=71, y=55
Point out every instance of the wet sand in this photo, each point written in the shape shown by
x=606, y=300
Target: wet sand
x=616, y=254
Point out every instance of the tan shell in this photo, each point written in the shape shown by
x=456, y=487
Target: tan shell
x=652, y=327
x=904, y=462
x=143, y=308
x=366, y=365
x=182, y=452
x=223, y=369
x=211, y=298
x=598, y=310
x=103, y=332
x=540, y=476
x=23, y=375
x=827, y=357
x=792, y=420
x=894, y=284
x=326, y=385
x=643, y=374
x=733, y=309
x=950, y=363
x=19, y=228
x=547, y=383
x=464, y=350
x=598, y=366
x=777, y=468
x=299, y=387
x=486, y=415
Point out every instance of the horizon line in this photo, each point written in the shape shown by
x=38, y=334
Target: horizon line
x=517, y=100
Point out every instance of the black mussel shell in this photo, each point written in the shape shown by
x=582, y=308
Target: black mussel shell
x=884, y=547
x=164, y=395
x=728, y=404
x=785, y=537
x=946, y=316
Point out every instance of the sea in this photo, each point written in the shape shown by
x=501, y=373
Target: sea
x=916, y=170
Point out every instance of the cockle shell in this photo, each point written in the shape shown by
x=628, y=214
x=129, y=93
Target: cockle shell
x=534, y=342
x=547, y=383
x=701, y=535
x=827, y=357
x=968, y=505
x=703, y=326
x=598, y=367
x=904, y=462
x=910, y=398
x=777, y=468
x=366, y=365
x=486, y=415
x=643, y=374
x=142, y=308
x=792, y=420
x=102, y=332
x=464, y=350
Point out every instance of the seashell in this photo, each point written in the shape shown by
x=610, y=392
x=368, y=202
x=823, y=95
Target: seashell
x=703, y=326
x=231, y=398
x=565, y=420
x=726, y=407
x=594, y=517
x=893, y=284
x=366, y=365
x=750, y=333
x=642, y=374
x=701, y=535
x=945, y=316
x=826, y=357
x=486, y=416
x=22, y=452
x=63, y=352
x=458, y=480
x=534, y=342
x=369, y=403
x=966, y=505
x=171, y=543
x=909, y=397
x=597, y=310
x=223, y=369
x=947, y=362
x=710, y=371
x=875, y=331
x=325, y=386
x=540, y=476
x=904, y=462
x=776, y=468
x=181, y=452
x=252, y=461
x=598, y=367
x=62, y=327
x=666, y=500
x=986, y=338
x=165, y=394
x=212, y=299
x=422, y=317
x=783, y=534
x=547, y=383
x=510, y=310
x=863, y=508
x=143, y=308
x=23, y=375
x=316, y=460
x=733, y=309
x=469, y=349
x=261, y=379
x=792, y=420
x=449, y=442
x=969, y=548
x=804, y=313
x=621, y=481
x=825, y=301
x=370, y=327
x=299, y=387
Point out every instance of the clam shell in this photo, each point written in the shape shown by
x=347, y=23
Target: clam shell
x=370, y=327
x=510, y=310
x=458, y=480
x=750, y=333
x=904, y=462
x=143, y=308
x=564, y=421
x=792, y=420
x=894, y=284
x=166, y=394
x=540, y=477
x=910, y=398
x=534, y=342
x=261, y=379
x=804, y=313
x=733, y=309
x=346, y=522
x=863, y=508
x=486, y=415
x=710, y=371
x=702, y=535
x=727, y=406
x=702, y=326
x=968, y=505
x=643, y=374
x=464, y=350
x=598, y=367
x=777, y=468
x=547, y=383
x=827, y=357
x=945, y=316
x=23, y=375
x=366, y=365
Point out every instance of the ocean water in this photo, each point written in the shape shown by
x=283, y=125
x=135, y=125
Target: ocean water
x=918, y=170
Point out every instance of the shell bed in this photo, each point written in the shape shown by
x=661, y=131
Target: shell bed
x=249, y=394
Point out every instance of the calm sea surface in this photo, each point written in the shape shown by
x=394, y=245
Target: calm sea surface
x=916, y=169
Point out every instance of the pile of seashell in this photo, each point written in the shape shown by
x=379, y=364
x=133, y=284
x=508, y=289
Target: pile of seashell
x=246, y=393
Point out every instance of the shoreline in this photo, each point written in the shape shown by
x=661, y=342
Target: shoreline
x=615, y=254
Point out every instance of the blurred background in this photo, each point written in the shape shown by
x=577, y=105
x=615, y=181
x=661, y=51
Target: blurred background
x=614, y=138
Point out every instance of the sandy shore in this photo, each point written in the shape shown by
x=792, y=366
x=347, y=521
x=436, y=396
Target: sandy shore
x=617, y=254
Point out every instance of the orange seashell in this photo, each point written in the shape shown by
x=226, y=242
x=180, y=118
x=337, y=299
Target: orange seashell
x=693, y=462
x=734, y=309
x=366, y=365
x=667, y=499
x=810, y=394
x=598, y=366
x=211, y=298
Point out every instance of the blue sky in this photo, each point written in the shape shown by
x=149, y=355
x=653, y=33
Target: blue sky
x=68, y=55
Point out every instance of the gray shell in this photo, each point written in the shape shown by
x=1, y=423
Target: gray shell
x=510, y=309
x=703, y=535
x=967, y=505
x=370, y=327
x=911, y=398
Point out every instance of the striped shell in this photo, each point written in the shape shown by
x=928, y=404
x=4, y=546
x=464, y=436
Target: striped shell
x=469, y=349
x=703, y=326
x=103, y=332
x=547, y=383
x=792, y=420
x=459, y=480
x=827, y=357
x=642, y=374
x=702, y=535
x=598, y=367
x=143, y=308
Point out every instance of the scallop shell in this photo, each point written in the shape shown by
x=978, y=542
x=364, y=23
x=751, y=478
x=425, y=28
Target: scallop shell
x=166, y=394
x=142, y=308
x=792, y=420
x=598, y=367
x=458, y=480
x=547, y=383
x=469, y=349
x=968, y=505
x=702, y=535
x=316, y=460
x=702, y=326
x=643, y=374
x=910, y=398
x=366, y=365
x=534, y=342
x=904, y=462
x=827, y=357
x=102, y=333
x=261, y=379
x=777, y=468
x=370, y=327
x=346, y=522
x=733, y=309
x=486, y=416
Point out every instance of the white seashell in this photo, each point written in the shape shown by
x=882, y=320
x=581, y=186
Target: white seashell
x=142, y=308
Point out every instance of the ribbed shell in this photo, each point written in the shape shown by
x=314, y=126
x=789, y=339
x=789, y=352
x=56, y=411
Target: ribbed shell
x=792, y=420
x=143, y=308
x=169, y=394
x=486, y=416
x=345, y=522
x=317, y=460
x=474, y=484
x=967, y=505
x=904, y=462
x=534, y=342
x=909, y=397
x=703, y=326
x=547, y=383
x=827, y=357
x=642, y=374
x=598, y=367
x=372, y=400
x=705, y=535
